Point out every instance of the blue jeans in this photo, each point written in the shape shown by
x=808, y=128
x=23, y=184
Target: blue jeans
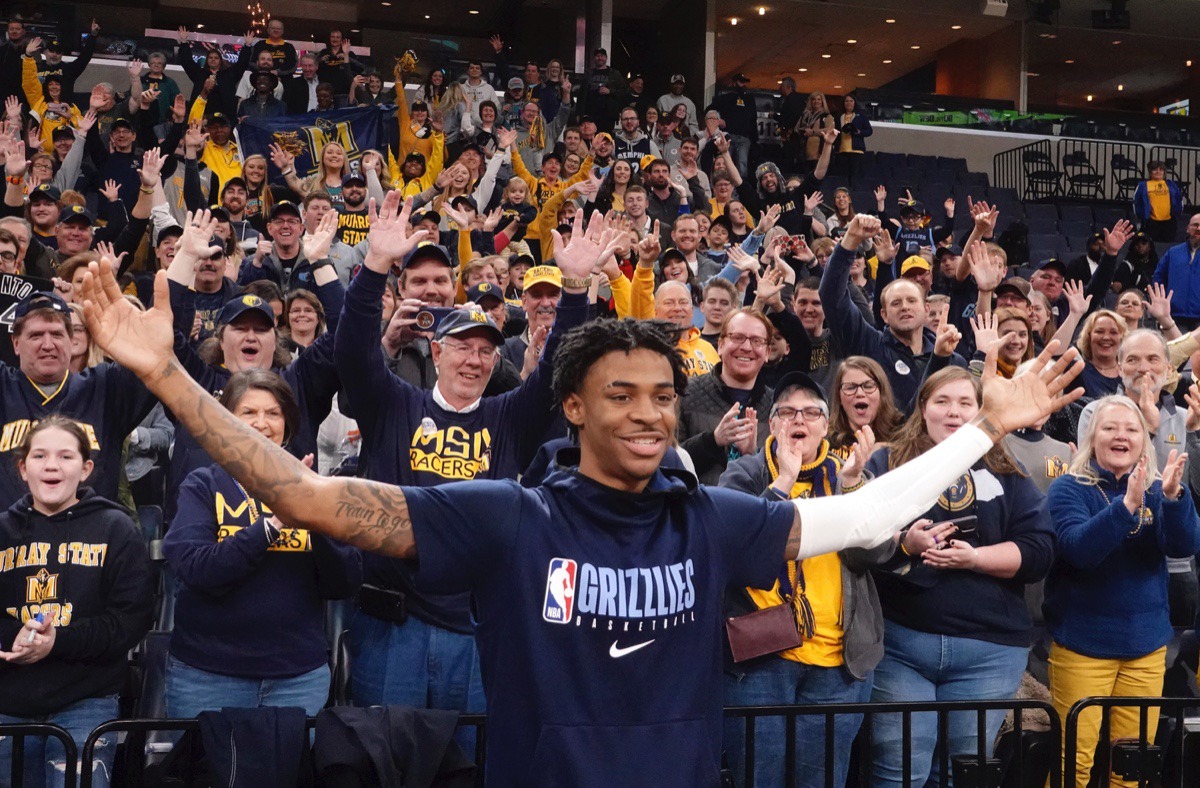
x=44, y=758
x=739, y=148
x=779, y=681
x=415, y=664
x=191, y=690
x=919, y=667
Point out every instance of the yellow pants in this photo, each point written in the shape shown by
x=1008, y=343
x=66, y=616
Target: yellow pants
x=1074, y=677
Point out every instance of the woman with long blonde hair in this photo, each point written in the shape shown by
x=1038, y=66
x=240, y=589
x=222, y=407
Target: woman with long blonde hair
x=1098, y=343
x=1107, y=611
x=258, y=194
x=332, y=167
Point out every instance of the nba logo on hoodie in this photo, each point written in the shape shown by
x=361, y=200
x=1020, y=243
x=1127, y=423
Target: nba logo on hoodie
x=560, y=591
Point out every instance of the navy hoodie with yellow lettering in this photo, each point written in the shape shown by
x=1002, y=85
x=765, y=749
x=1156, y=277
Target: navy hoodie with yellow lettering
x=88, y=569
x=108, y=400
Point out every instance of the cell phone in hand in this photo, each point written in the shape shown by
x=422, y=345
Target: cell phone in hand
x=430, y=317
x=964, y=528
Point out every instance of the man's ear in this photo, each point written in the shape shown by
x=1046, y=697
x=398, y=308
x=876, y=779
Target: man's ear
x=573, y=410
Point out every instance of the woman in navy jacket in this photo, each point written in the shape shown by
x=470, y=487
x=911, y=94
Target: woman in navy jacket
x=956, y=626
x=855, y=127
x=249, y=618
x=1106, y=596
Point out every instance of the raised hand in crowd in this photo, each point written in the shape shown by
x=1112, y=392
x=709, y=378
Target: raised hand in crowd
x=586, y=250
x=533, y=351
x=85, y=122
x=152, y=163
x=767, y=292
x=98, y=99
x=179, y=109
x=194, y=140
x=984, y=216
x=1077, y=298
x=506, y=138
x=984, y=327
x=988, y=273
x=492, y=220
x=497, y=43
x=316, y=245
x=15, y=164
x=148, y=97
x=210, y=84
x=860, y=228
x=881, y=198
x=743, y=261
x=134, y=67
x=767, y=219
x=391, y=237
x=192, y=247
x=458, y=217
x=183, y=34
x=948, y=207
x=812, y=201
x=1116, y=238
x=650, y=247
x=111, y=191
x=33, y=46
x=106, y=250
x=12, y=109
x=946, y=338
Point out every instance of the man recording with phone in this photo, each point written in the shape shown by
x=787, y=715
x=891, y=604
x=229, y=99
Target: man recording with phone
x=409, y=645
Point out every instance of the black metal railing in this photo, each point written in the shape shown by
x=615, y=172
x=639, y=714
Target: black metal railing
x=981, y=760
x=19, y=732
x=1011, y=168
x=1146, y=760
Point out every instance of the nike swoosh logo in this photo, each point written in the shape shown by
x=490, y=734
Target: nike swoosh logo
x=616, y=652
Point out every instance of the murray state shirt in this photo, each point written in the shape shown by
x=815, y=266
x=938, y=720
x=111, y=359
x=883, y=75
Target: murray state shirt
x=599, y=618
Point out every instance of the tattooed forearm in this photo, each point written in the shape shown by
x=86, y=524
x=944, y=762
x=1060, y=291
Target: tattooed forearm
x=369, y=515
x=792, y=548
x=989, y=427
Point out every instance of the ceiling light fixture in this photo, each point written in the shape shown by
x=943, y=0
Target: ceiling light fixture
x=1089, y=98
x=887, y=61
x=1120, y=87
x=762, y=10
x=890, y=21
x=802, y=69
x=1069, y=62
x=827, y=56
x=1116, y=41
x=915, y=46
x=851, y=40
x=472, y=11
x=733, y=21
x=862, y=75
x=837, y=87
x=956, y=27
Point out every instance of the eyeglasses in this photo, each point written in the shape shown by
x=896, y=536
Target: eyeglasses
x=8, y=257
x=755, y=342
x=290, y=221
x=464, y=351
x=789, y=414
x=867, y=386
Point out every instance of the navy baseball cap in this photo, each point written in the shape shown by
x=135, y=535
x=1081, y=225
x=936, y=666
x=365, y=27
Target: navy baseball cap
x=285, y=206
x=171, y=231
x=428, y=251
x=1055, y=263
x=40, y=300
x=76, y=213
x=217, y=119
x=239, y=306
x=357, y=177
x=45, y=191
x=460, y=321
x=483, y=290
x=122, y=123
x=942, y=251
x=800, y=380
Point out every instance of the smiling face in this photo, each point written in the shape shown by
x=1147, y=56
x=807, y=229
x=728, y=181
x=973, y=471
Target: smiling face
x=673, y=303
x=464, y=364
x=254, y=171
x=44, y=348
x=686, y=235
x=803, y=435
x=234, y=199
x=1013, y=351
x=248, y=342
x=44, y=213
x=1118, y=438
x=1106, y=337
x=806, y=304
x=263, y=413
x=743, y=347
x=950, y=406
x=540, y=303
x=302, y=317
x=54, y=468
x=73, y=237
x=430, y=282
x=1144, y=364
x=625, y=413
x=715, y=306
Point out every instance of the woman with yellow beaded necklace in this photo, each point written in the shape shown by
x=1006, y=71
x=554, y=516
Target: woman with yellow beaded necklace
x=1106, y=605
x=832, y=611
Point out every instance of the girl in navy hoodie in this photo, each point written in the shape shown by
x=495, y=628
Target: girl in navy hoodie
x=956, y=626
x=75, y=587
x=250, y=614
x=1106, y=596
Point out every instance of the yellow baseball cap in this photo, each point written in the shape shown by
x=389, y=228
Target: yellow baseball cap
x=541, y=274
x=913, y=263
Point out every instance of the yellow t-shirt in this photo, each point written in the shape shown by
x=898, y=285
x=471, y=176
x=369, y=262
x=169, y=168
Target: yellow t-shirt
x=1160, y=200
x=820, y=580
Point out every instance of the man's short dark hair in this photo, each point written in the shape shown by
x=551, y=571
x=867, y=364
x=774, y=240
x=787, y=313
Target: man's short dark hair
x=584, y=345
x=1155, y=165
x=721, y=284
x=658, y=163
x=692, y=140
x=809, y=283
x=474, y=63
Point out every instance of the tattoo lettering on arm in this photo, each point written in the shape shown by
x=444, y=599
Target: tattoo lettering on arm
x=990, y=428
x=792, y=548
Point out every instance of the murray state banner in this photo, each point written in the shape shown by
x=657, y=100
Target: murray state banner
x=358, y=130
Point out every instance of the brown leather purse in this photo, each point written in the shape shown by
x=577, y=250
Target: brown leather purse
x=762, y=632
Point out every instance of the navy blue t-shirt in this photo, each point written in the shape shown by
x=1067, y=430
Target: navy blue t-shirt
x=599, y=618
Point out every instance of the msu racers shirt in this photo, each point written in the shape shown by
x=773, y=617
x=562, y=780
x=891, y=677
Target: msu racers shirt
x=599, y=613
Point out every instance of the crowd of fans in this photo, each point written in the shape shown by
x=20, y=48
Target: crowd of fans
x=824, y=345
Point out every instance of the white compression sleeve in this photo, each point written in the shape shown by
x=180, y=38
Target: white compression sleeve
x=870, y=516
